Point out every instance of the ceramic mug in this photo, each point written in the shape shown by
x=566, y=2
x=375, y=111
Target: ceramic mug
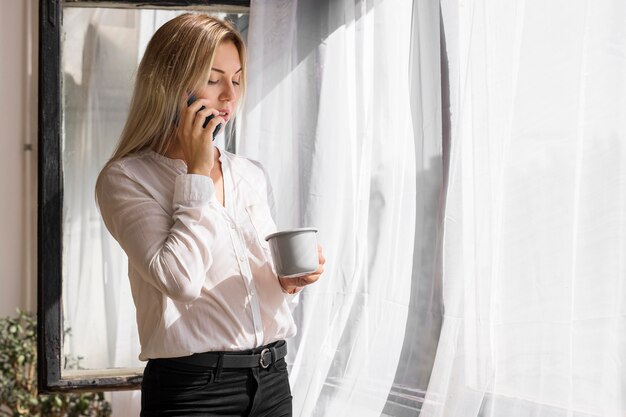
x=294, y=251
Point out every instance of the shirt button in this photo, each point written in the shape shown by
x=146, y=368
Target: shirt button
x=241, y=258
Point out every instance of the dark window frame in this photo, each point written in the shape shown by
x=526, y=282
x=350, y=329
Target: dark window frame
x=50, y=196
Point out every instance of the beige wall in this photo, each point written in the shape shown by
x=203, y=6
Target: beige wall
x=18, y=167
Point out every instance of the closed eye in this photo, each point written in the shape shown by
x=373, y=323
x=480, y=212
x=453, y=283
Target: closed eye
x=215, y=82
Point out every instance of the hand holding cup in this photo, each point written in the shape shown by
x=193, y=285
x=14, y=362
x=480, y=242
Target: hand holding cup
x=297, y=256
x=295, y=284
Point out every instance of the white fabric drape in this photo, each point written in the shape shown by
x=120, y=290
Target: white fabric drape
x=97, y=302
x=535, y=223
x=328, y=113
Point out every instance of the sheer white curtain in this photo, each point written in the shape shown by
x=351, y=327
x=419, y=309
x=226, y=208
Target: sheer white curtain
x=99, y=57
x=535, y=223
x=328, y=113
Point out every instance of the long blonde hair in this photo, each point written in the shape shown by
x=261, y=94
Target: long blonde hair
x=178, y=59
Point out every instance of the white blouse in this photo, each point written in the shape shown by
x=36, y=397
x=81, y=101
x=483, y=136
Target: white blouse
x=201, y=274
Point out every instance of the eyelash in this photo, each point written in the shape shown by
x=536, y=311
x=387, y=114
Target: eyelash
x=215, y=82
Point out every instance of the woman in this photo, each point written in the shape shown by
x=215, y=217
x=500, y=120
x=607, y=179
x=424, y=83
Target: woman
x=211, y=312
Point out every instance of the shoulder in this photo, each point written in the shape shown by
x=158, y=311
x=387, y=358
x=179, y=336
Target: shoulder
x=121, y=174
x=120, y=168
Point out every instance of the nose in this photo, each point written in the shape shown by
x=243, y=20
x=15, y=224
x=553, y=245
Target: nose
x=228, y=93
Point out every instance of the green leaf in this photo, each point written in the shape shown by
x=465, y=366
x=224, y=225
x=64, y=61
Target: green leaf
x=18, y=338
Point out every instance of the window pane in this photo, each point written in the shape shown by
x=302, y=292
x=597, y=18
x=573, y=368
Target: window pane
x=101, y=49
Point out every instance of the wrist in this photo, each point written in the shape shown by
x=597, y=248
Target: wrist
x=202, y=170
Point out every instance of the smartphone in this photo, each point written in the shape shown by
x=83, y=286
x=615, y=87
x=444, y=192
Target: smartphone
x=193, y=98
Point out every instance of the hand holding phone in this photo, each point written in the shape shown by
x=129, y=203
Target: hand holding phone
x=193, y=98
x=192, y=134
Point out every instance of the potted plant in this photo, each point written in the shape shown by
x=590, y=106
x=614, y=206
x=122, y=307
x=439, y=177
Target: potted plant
x=18, y=378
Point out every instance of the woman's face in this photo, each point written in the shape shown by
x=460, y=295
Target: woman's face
x=223, y=88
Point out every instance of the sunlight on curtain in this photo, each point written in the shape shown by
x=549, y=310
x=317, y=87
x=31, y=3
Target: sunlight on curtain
x=535, y=224
x=328, y=113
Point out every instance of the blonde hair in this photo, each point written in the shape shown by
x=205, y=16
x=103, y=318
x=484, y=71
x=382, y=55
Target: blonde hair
x=178, y=59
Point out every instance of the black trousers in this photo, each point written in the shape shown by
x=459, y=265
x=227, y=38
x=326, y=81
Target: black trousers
x=172, y=388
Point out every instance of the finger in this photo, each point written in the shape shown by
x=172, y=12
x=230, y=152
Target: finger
x=203, y=113
x=198, y=103
x=311, y=278
x=196, y=106
x=190, y=113
x=319, y=270
x=200, y=119
x=211, y=126
x=300, y=282
x=320, y=255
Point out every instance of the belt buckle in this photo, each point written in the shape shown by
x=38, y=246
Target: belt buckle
x=261, y=359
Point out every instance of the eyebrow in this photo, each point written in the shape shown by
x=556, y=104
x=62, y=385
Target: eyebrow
x=219, y=70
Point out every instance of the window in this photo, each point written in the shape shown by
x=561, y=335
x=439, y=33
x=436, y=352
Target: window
x=89, y=51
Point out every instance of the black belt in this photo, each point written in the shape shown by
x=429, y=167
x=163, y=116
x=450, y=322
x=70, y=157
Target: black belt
x=266, y=355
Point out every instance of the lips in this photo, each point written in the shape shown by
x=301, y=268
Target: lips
x=224, y=114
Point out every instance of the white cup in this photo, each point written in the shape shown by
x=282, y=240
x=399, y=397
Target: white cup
x=294, y=251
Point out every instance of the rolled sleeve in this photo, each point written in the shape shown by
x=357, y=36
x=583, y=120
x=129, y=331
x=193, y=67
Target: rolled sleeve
x=193, y=189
